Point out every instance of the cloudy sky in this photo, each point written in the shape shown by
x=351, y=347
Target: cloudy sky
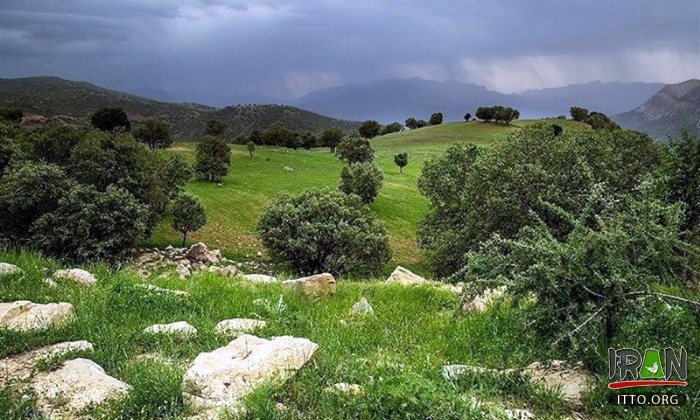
x=223, y=50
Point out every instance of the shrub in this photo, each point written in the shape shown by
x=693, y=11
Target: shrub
x=436, y=118
x=394, y=127
x=474, y=194
x=322, y=230
x=557, y=129
x=578, y=113
x=7, y=150
x=251, y=148
x=11, y=115
x=401, y=160
x=600, y=121
x=467, y=116
x=153, y=133
x=213, y=158
x=110, y=120
x=278, y=135
x=215, y=128
x=331, y=137
x=189, y=215
x=88, y=225
x=369, y=129
x=363, y=179
x=354, y=149
x=51, y=144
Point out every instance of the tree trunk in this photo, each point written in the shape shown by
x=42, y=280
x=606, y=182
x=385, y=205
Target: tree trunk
x=184, y=238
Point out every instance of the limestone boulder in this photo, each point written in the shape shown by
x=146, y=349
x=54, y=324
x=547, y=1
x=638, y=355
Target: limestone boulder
x=405, y=277
x=24, y=315
x=260, y=278
x=77, y=275
x=76, y=385
x=200, y=252
x=316, y=285
x=178, y=328
x=361, y=308
x=482, y=301
x=571, y=380
x=222, y=378
x=226, y=271
x=19, y=367
x=345, y=388
x=238, y=326
x=7, y=269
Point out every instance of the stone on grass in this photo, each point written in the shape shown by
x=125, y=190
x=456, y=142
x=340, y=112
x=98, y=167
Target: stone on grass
x=405, y=277
x=260, y=278
x=316, y=285
x=362, y=307
x=571, y=380
x=345, y=388
x=49, y=282
x=519, y=414
x=7, y=269
x=226, y=271
x=454, y=372
x=19, y=367
x=238, y=326
x=75, y=386
x=179, y=328
x=160, y=290
x=77, y=275
x=183, y=271
x=200, y=252
x=222, y=378
x=24, y=315
x=481, y=302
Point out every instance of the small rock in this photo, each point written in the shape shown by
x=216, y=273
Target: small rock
x=156, y=289
x=345, y=388
x=19, y=367
x=281, y=407
x=289, y=169
x=481, y=302
x=519, y=414
x=200, y=252
x=227, y=271
x=361, y=308
x=453, y=372
x=180, y=328
x=238, y=326
x=404, y=277
x=49, y=282
x=260, y=278
x=317, y=285
x=24, y=315
x=77, y=275
x=183, y=271
x=261, y=302
x=7, y=269
x=76, y=385
x=571, y=380
x=259, y=254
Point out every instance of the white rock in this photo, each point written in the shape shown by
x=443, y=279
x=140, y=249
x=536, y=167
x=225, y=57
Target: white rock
x=77, y=275
x=183, y=271
x=237, y=326
x=7, y=269
x=362, y=307
x=24, y=315
x=481, y=302
x=200, y=252
x=571, y=380
x=316, y=285
x=453, y=372
x=180, y=328
x=76, y=385
x=19, y=367
x=260, y=278
x=49, y=282
x=404, y=277
x=160, y=290
x=345, y=388
x=221, y=378
x=519, y=414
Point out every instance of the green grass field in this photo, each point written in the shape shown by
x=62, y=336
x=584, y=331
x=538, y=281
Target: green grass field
x=234, y=206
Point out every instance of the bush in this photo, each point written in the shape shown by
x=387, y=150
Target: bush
x=394, y=127
x=213, y=158
x=557, y=129
x=321, y=230
x=189, y=215
x=401, y=160
x=578, y=113
x=331, y=137
x=600, y=121
x=154, y=133
x=467, y=116
x=51, y=144
x=251, y=148
x=307, y=140
x=474, y=194
x=369, y=129
x=89, y=225
x=354, y=149
x=215, y=128
x=436, y=118
x=110, y=120
x=363, y=179
x=11, y=115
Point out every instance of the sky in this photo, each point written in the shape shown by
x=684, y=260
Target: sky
x=227, y=51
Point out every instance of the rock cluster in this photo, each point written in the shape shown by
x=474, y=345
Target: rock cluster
x=7, y=269
x=24, y=315
x=76, y=275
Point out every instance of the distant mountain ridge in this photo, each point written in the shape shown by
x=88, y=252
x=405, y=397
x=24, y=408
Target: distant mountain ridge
x=670, y=110
x=52, y=96
x=397, y=99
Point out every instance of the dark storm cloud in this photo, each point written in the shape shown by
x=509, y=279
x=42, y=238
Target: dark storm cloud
x=220, y=50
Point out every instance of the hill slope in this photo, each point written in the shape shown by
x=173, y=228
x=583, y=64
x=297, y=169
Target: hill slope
x=673, y=108
x=398, y=99
x=50, y=96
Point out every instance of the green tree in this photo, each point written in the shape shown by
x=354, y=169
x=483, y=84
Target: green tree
x=251, y=148
x=363, y=179
x=600, y=121
x=215, y=128
x=401, y=160
x=11, y=115
x=213, y=158
x=394, y=127
x=307, y=140
x=369, y=129
x=278, y=135
x=682, y=169
x=322, y=230
x=110, y=120
x=411, y=123
x=189, y=215
x=436, y=118
x=354, y=149
x=578, y=113
x=331, y=137
x=51, y=144
x=467, y=116
x=153, y=133
x=485, y=113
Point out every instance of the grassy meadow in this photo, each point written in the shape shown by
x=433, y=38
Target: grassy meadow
x=234, y=206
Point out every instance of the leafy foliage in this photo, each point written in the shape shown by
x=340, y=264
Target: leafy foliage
x=215, y=127
x=600, y=121
x=363, y=179
x=110, y=120
x=369, y=129
x=411, y=123
x=154, y=133
x=683, y=171
x=213, y=158
x=331, y=138
x=321, y=230
x=11, y=114
x=467, y=116
x=251, y=148
x=394, y=127
x=436, y=118
x=401, y=160
x=497, y=113
x=353, y=149
x=189, y=215
x=578, y=113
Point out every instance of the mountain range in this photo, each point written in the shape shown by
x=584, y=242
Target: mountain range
x=52, y=97
x=398, y=99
